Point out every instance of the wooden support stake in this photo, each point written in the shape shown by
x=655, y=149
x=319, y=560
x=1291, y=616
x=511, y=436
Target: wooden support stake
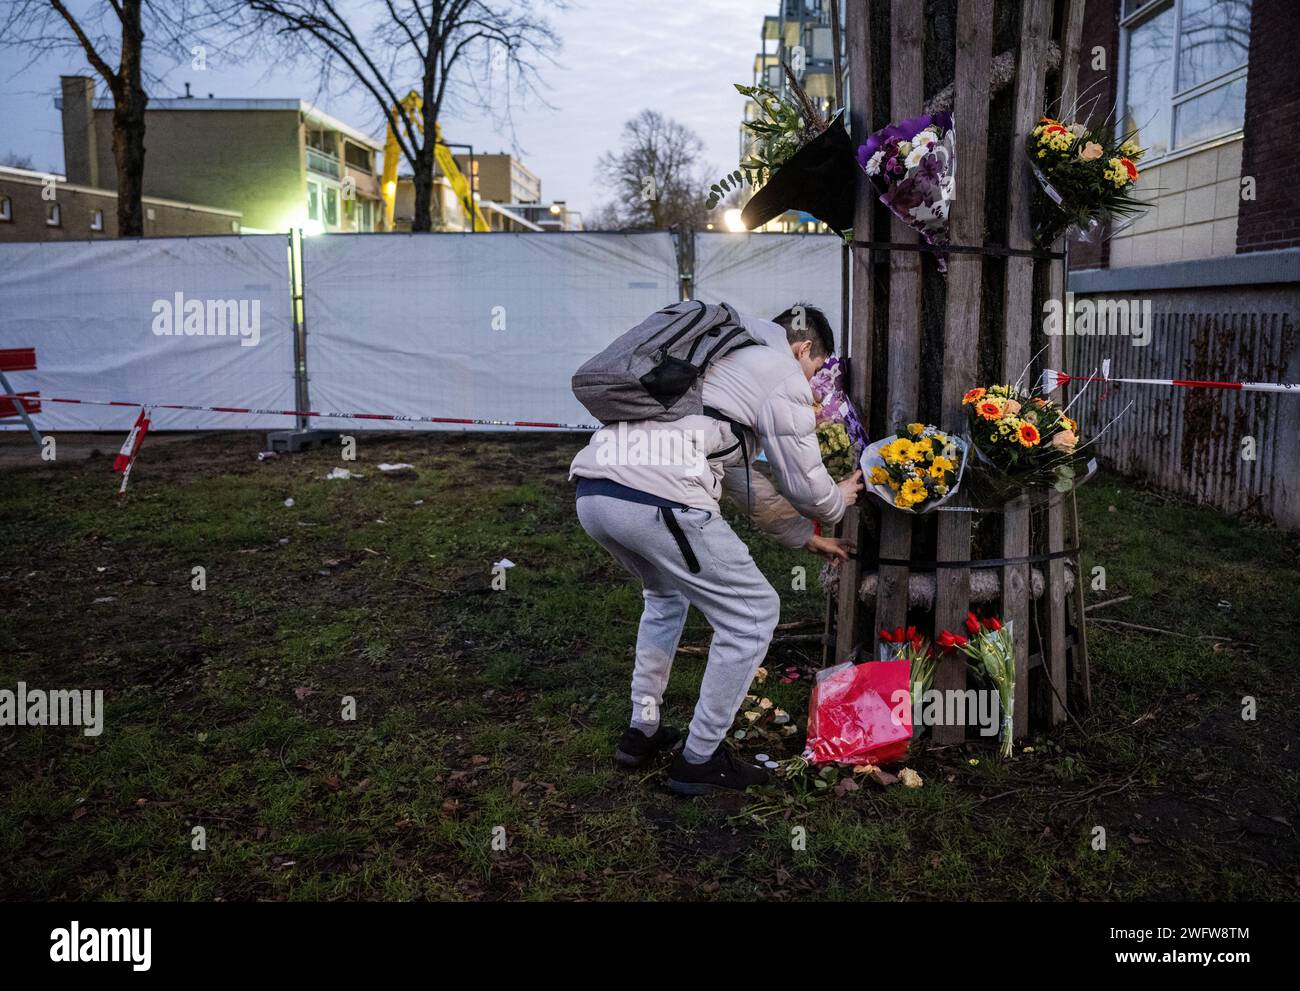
x=962, y=320
x=907, y=33
x=1035, y=29
x=862, y=315
x=1054, y=627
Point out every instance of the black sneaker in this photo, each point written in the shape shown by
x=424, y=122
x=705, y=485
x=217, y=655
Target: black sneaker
x=635, y=748
x=724, y=771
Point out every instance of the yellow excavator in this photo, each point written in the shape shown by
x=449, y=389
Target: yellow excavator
x=414, y=107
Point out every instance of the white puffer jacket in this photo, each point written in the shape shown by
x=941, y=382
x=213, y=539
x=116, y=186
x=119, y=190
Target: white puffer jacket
x=764, y=390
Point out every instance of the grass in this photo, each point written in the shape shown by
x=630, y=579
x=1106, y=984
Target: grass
x=485, y=714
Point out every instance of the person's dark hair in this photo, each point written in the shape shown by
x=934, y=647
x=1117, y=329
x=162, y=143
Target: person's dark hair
x=804, y=322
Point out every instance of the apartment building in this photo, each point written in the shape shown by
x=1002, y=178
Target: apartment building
x=1211, y=89
x=278, y=163
x=799, y=35
x=42, y=206
x=1207, y=88
x=501, y=178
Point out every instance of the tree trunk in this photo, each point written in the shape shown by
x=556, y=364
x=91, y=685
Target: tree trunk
x=423, y=184
x=129, y=101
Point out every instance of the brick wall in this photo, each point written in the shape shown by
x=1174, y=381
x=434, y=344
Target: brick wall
x=1272, y=219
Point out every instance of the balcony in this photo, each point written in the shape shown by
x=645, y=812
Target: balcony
x=322, y=163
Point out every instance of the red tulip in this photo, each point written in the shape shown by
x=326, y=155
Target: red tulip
x=972, y=624
x=948, y=640
x=993, y=623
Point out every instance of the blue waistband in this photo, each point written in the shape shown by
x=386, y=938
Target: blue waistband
x=616, y=490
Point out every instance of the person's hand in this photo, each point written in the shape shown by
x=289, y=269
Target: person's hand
x=851, y=488
x=831, y=548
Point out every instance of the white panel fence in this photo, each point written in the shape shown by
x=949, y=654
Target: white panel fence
x=151, y=320
x=484, y=326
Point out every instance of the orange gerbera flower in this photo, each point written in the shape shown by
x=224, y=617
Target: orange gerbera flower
x=1027, y=435
x=989, y=410
x=974, y=396
x=1130, y=168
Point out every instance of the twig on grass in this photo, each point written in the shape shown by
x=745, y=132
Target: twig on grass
x=1108, y=602
x=1170, y=633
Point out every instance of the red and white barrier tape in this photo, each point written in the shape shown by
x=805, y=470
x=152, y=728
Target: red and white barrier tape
x=131, y=447
x=401, y=417
x=1053, y=380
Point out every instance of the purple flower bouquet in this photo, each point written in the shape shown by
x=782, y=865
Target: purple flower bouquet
x=913, y=167
x=833, y=405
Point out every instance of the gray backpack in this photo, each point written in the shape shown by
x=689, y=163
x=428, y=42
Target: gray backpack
x=656, y=370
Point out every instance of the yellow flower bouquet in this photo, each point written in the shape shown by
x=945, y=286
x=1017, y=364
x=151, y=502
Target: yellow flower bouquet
x=917, y=469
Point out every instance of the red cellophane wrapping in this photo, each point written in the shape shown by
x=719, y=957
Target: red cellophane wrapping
x=857, y=716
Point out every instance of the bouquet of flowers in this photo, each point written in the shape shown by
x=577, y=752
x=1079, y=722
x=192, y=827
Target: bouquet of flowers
x=992, y=656
x=912, y=165
x=908, y=645
x=836, y=449
x=1023, y=440
x=839, y=431
x=1086, y=179
x=802, y=159
x=832, y=404
x=917, y=469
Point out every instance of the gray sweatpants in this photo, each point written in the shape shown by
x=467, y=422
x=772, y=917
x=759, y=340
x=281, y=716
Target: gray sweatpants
x=728, y=589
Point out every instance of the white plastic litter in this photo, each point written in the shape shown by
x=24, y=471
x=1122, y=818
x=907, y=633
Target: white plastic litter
x=338, y=473
x=505, y=562
x=397, y=467
x=288, y=504
x=761, y=758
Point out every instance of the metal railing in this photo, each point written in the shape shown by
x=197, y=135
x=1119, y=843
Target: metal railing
x=322, y=162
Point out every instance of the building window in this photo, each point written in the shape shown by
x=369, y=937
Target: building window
x=313, y=201
x=97, y=220
x=357, y=157
x=6, y=208
x=363, y=216
x=331, y=207
x=53, y=216
x=1184, y=71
